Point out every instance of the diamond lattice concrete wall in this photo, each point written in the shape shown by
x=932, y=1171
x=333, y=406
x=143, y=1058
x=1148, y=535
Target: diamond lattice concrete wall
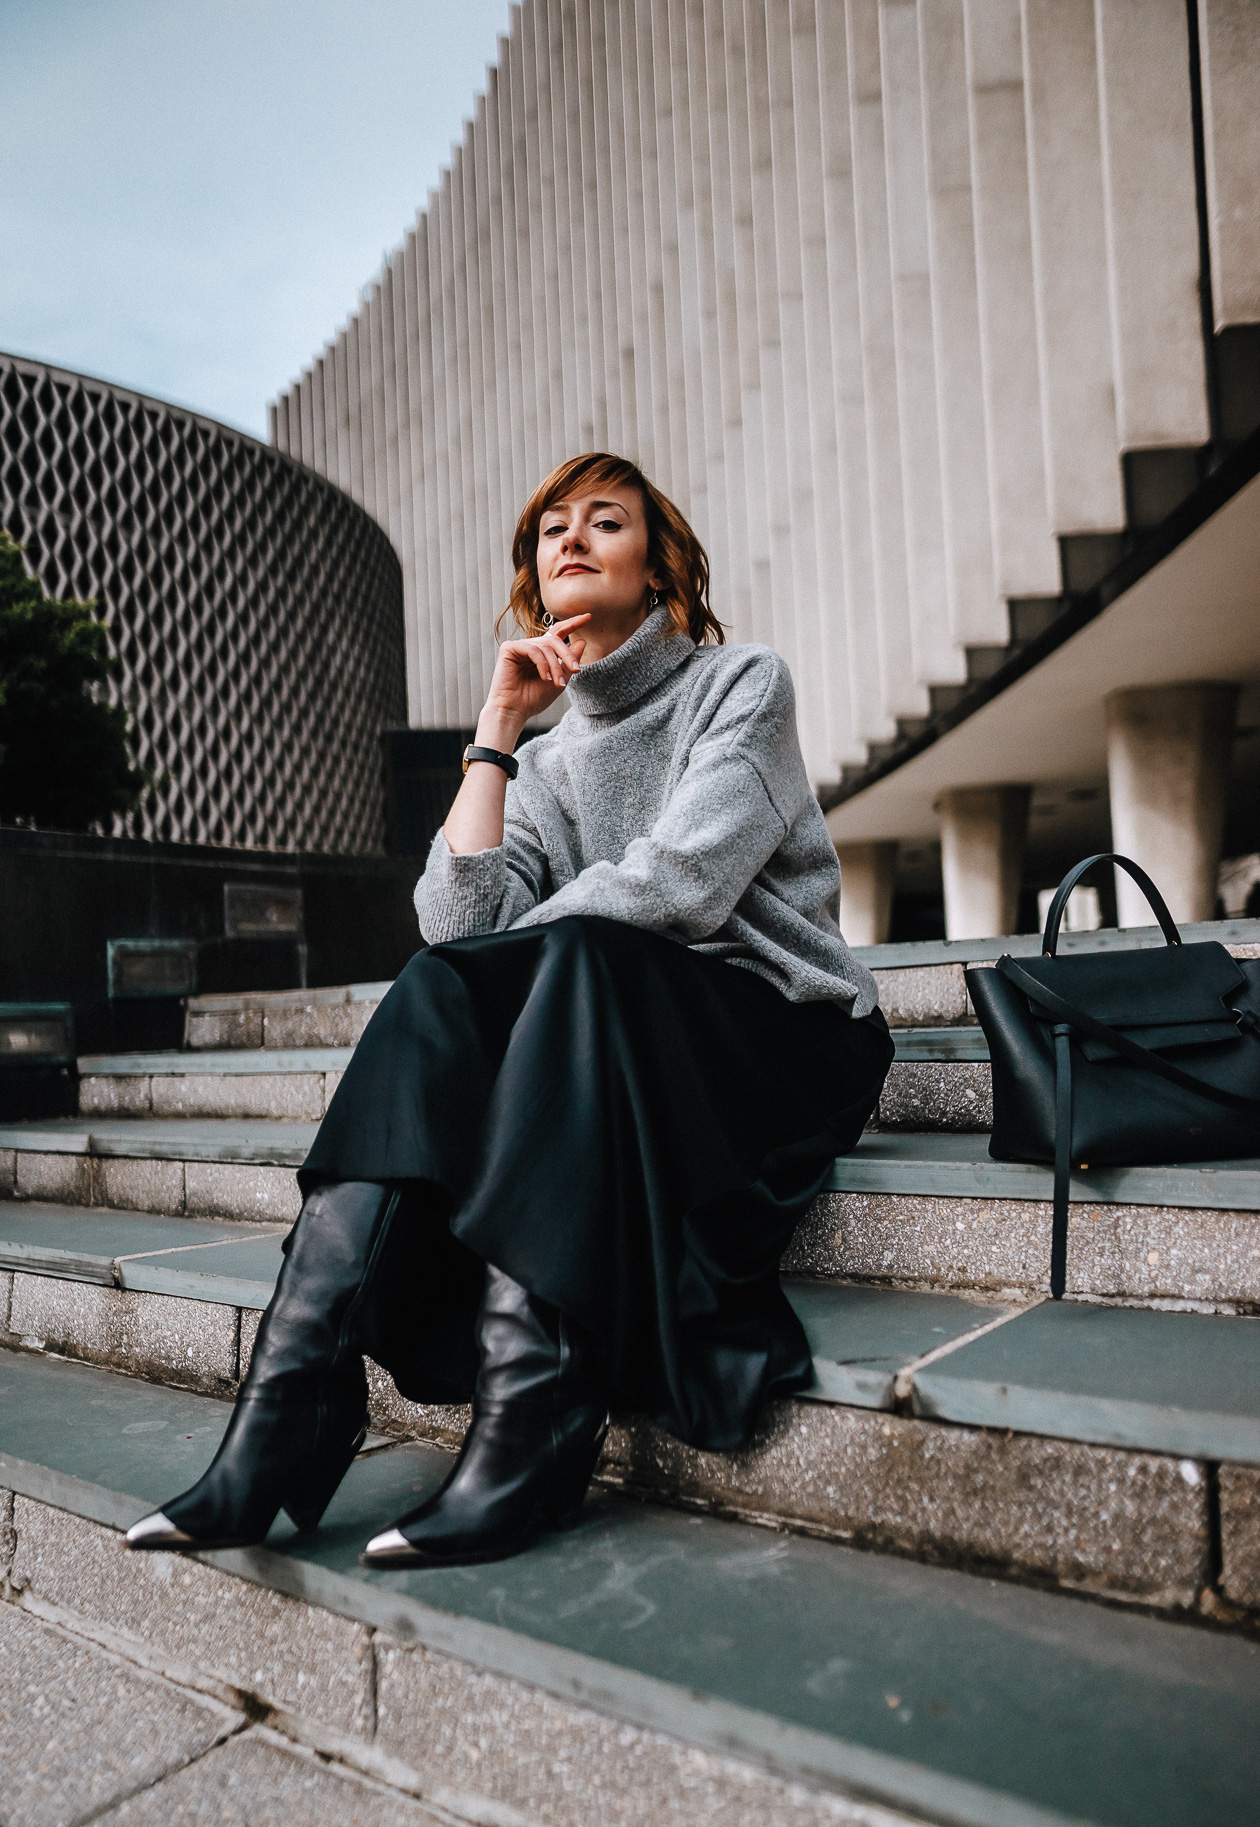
x=255, y=609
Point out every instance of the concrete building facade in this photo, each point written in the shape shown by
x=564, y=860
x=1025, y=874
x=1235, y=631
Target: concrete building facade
x=931, y=314
x=255, y=611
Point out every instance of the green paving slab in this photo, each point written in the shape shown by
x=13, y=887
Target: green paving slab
x=959, y=1167
x=257, y=1141
x=1184, y=1383
x=239, y=1062
x=951, y=1696
x=239, y=1272
x=861, y=1337
x=81, y=1244
x=933, y=1044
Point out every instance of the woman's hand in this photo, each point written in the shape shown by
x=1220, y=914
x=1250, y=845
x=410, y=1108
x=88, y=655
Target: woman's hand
x=528, y=676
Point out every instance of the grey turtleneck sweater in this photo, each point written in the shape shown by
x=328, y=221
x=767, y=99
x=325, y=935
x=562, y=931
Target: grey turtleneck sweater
x=671, y=796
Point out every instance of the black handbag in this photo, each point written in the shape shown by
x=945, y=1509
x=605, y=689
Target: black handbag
x=1120, y=1058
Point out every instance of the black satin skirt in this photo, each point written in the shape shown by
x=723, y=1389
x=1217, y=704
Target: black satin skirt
x=628, y=1128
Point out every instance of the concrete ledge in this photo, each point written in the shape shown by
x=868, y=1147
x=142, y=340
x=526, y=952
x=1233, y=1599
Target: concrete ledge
x=1125, y=1524
x=448, y=1677
x=1208, y=1259
x=1240, y=1534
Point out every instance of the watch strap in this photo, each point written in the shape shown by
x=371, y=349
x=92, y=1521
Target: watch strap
x=509, y=763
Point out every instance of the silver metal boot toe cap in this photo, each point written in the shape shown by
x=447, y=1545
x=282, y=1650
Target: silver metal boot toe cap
x=393, y=1541
x=156, y=1531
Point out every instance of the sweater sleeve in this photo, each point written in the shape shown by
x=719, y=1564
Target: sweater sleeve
x=722, y=823
x=481, y=891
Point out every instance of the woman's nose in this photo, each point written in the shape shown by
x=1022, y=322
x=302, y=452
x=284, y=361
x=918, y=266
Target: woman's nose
x=573, y=541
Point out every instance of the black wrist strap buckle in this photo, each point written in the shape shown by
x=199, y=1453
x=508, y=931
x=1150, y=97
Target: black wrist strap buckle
x=509, y=763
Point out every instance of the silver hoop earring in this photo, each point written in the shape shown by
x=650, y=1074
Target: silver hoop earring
x=655, y=600
x=548, y=620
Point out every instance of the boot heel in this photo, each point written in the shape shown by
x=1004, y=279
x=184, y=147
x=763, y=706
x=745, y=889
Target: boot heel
x=306, y=1504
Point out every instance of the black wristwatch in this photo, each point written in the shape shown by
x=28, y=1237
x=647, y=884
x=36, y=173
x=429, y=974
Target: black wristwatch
x=509, y=763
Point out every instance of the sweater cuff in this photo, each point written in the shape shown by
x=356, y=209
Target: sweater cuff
x=458, y=897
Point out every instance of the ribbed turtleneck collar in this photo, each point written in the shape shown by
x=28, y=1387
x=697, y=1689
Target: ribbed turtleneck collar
x=632, y=670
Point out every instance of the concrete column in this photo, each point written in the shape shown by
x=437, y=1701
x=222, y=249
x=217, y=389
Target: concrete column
x=982, y=850
x=1168, y=749
x=938, y=657
x=866, y=891
x=1069, y=245
x=871, y=721
x=1152, y=222
x=1026, y=556
x=903, y=691
x=978, y=615
x=1229, y=44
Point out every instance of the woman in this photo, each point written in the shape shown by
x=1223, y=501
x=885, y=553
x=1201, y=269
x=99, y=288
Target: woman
x=578, y=1133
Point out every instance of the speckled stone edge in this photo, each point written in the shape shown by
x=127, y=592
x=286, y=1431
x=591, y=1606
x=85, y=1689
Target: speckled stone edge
x=758, y=1771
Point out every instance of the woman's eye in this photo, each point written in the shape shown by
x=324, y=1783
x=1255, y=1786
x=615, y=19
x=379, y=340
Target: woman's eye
x=550, y=532
x=608, y=526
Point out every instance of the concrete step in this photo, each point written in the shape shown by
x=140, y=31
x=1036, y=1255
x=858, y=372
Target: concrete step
x=928, y=1210
x=648, y=1665
x=280, y=1020
x=292, y=1084
x=940, y=1081
x=945, y=1428
x=920, y=985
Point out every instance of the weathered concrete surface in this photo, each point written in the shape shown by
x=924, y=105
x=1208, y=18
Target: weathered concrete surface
x=223, y=1028
x=115, y=1096
x=291, y=1096
x=1131, y=1252
x=259, y=1780
x=1084, y=1516
x=8, y=1537
x=65, y=1179
x=189, y=1342
x=80, y=1729
x=390, y=1413
x=955, y=1095
x=134, y=1185
x=8, y=1173
x=567, y=1766
x=228, y=1189
x=6, y=1291
x=1240, y=1534
x=294, y=1655
x=318, y=1025
x=924, y=996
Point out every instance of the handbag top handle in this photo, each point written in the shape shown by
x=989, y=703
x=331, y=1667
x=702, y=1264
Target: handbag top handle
x=1050, y=938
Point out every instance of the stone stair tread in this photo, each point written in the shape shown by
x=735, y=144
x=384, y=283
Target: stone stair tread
x=959, y=1166
x=861, y=1338
x=912, y=1044
x=221, y=1002
x=243, y=1061
x=1178, y=1383
x=936, y=1165
x=196, y=1258
x=936, y=1691
x=262, y=1141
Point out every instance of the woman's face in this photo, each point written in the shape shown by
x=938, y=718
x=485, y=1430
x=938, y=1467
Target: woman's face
x=592, y=556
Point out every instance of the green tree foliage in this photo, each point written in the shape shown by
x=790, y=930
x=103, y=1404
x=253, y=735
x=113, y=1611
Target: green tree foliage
x=64, y=760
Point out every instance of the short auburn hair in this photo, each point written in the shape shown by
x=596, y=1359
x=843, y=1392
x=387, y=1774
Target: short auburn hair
x=674, y=553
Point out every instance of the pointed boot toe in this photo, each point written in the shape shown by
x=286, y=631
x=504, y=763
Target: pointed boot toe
x=390, y=1549
x=157, y=1531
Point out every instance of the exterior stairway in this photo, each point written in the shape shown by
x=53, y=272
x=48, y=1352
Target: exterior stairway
x=664, y=1662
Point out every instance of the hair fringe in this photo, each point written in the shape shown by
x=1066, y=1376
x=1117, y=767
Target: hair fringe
x=674, y=553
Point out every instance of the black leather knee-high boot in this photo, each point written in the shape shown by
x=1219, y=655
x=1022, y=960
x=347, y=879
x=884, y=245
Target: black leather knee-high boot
x=539, y=1418
x=301, y=1412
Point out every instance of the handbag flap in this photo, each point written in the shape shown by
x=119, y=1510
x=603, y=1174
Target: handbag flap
x=1176, y=996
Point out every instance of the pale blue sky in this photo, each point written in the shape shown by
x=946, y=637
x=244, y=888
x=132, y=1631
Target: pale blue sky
x=192, y=192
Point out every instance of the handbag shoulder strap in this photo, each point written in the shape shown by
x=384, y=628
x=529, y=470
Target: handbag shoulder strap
x=1084, y=1023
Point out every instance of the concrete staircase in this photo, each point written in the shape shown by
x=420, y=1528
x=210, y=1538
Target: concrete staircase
x=1107, y=1446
